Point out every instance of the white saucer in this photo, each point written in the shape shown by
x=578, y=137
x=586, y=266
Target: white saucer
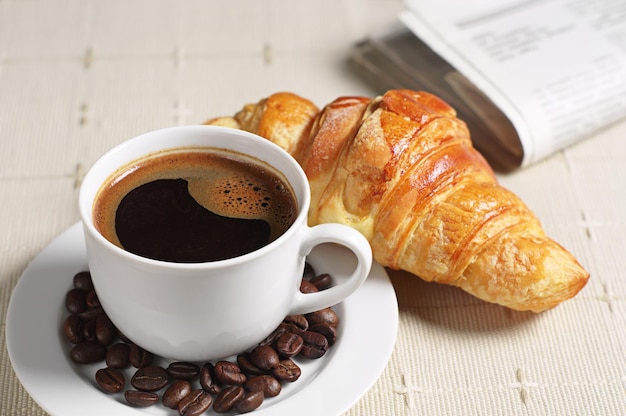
x=328, y=386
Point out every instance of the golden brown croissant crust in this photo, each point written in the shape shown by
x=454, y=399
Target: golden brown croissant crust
x=402, y=170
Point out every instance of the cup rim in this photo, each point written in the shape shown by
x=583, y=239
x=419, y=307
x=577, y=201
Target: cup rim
x=87, y=196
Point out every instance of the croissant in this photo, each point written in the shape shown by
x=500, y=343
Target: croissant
x=402, y=170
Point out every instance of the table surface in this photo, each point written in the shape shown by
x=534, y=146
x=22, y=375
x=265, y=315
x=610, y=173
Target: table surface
x=79, y=76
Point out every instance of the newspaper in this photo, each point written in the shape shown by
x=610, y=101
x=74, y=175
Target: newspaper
x=529, y=76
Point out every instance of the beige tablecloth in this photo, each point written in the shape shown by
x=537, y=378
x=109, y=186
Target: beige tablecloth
x=79, y=76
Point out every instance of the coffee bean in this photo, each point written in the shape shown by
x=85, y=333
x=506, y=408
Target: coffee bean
x=330, y=332
x=195, y=403
x=175, y=393
x=208, y=382
x=249, y=402
x=228, y=398
x=323, y=316
x=150, y=378
x=181, y=370
x=308, y=287
x=269, y=340
x=73, y=329
x=110, y=380
x=322, y=281
x=118, y=355
x=92, y=300
x=105, y=330
x=295, y=323
x=265, y=357
x=141, y=398
x=289, y=344
x=139, y=357
x=269, y=385
x=229, y=373
x=314, y=346
x=88, y=352
x=89, y=330
x=76, y=301
x=82, y=281
x=287, y=370
x=246, y=365
x=91, y=313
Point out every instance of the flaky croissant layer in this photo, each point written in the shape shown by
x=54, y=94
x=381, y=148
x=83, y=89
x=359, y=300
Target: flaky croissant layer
x=402, y=170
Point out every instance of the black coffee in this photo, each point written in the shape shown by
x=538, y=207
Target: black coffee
x=194, y=205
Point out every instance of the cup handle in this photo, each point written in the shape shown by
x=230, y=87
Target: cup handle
x=347, y=237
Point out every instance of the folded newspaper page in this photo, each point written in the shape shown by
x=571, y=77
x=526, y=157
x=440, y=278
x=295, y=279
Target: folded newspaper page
x=529, y=76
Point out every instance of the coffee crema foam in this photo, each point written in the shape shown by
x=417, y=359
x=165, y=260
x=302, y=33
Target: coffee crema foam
x=224, y=182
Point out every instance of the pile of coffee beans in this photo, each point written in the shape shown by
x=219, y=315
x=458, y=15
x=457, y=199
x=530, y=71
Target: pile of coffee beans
x=238, y=386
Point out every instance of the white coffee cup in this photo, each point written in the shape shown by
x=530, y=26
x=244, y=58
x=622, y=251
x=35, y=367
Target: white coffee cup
x=208, y=311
